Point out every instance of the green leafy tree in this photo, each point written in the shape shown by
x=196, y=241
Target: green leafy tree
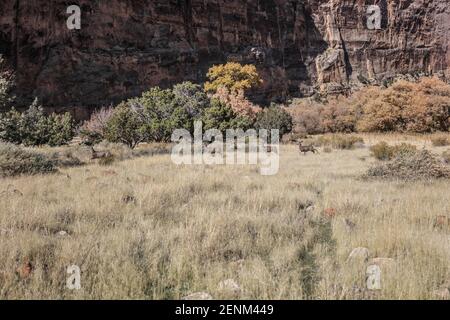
x=10, y=130
x=61, y=129
x=220, y=116
x=6, y=82
x=191, y=97
x=274, y=118
x=161, y=114
x=34, y=127
x=125, y=126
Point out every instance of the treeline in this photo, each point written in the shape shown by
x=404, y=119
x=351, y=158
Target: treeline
x=158, y=112
x=414, y=107
x=418, y=107
x=220, y=104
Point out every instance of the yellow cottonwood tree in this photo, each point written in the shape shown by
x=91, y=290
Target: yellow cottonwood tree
x=232, y=76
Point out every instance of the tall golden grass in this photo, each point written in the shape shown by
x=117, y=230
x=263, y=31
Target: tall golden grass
x=145, y=228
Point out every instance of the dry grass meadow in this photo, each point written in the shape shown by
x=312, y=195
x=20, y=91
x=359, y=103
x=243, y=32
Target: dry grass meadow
x=144, y=228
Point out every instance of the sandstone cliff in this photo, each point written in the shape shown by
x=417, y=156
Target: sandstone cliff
x=299, y=46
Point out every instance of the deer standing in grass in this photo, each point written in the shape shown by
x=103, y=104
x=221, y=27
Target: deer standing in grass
x=306, y=149
x=99, y=154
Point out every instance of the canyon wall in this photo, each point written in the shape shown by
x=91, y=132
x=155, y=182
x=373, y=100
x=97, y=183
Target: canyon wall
x=299, y=46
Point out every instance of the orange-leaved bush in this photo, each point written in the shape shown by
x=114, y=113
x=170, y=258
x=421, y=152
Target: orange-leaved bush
x=419, y=107
x=237, y=102
x=409, y=107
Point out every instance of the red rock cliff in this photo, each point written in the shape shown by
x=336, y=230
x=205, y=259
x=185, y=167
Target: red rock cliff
x=126, y=46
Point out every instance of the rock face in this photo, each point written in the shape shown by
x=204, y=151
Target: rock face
x=299, y=46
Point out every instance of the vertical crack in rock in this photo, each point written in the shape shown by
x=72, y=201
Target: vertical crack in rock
x=16, y=34
x=187, y=17
x=219, y=4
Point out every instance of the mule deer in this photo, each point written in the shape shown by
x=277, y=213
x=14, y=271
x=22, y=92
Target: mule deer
x=306, y=149
x=99, y=154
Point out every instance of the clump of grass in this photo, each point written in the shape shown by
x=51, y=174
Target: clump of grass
x=340, y=141
x=295, y=137
x=107, y=161
x=446, y=156
x=440, y=141
x=120, y=151
x=16, y=161
x=152, y=149
x=383, y=151
x=66, y=159
x=411, y=166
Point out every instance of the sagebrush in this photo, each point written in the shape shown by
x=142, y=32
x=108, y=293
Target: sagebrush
x=16, y=161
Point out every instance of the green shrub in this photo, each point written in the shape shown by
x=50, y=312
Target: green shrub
x=274, y=118
x=220, y=116
x=10, y=127
x=16, y=161
x=191, y=97
x=383, y=151
x=440, y=141
x=6, y=82
x=161, y=114
x=61, y=129
x=125, y=126
x=34, y=128
x=336, y=141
